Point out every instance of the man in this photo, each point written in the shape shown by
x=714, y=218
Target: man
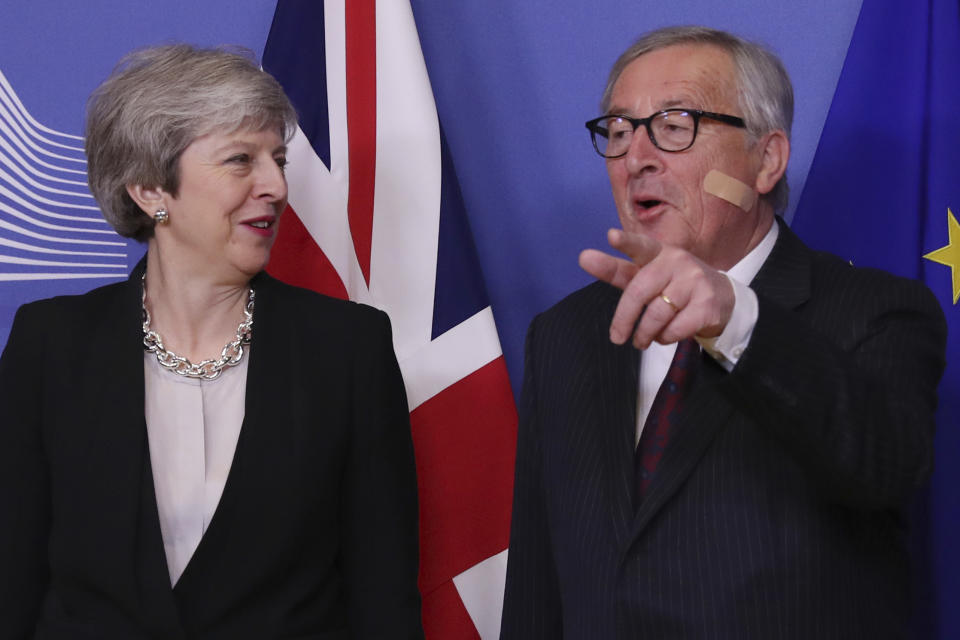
x=764, y=496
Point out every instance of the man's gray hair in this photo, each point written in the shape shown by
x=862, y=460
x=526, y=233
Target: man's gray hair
x=156, y=102
x=764, y=91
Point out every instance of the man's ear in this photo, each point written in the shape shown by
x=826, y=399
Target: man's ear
x=773, y=164
x=149, y=199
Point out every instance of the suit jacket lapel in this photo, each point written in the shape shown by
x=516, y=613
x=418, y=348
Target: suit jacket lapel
x=160, y=608
x=114, y=398
x=704, y=412
x=784, y=279
x=220, y=537
x=617, y=387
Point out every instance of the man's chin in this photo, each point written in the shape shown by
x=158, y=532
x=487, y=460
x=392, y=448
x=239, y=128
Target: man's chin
x=651, y=225
x=668, y=235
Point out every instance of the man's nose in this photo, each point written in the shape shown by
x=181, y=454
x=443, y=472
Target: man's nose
x=642, y=155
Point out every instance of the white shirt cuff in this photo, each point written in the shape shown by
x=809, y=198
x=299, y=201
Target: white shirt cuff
x=730, y=344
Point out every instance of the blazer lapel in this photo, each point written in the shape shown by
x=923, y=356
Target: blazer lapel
x=704, y=412
x=154, y=577
x=115, y=401
x=617, y=387
x=784, y=279
x=220, y=538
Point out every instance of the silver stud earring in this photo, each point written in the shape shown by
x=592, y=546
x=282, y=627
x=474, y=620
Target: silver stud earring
x=161, y=216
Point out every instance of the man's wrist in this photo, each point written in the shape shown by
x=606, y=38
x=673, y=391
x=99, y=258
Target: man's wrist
x=727, y=348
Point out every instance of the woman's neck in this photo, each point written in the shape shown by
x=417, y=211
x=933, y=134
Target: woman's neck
x=195, y=313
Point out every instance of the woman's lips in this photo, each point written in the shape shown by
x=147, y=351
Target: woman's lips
x=261, y=226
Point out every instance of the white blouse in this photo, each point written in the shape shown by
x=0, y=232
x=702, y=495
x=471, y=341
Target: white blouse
x=192, y=427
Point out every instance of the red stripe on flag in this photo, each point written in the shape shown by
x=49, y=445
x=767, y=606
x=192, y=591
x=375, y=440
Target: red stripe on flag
x=465, y=439
x=444, y=616
x=361, y=52
x=298, y=260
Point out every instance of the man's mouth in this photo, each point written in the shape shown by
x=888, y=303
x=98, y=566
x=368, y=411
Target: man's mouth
x=647, y=208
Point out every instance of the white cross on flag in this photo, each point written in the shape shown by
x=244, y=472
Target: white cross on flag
x=376, y=216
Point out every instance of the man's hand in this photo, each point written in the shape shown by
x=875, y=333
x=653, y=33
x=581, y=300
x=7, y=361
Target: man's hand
x=683, y=296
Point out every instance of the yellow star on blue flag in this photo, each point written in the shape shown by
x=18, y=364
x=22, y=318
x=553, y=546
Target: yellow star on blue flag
x=950, y=254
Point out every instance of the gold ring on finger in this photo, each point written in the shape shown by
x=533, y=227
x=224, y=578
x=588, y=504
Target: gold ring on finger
x=670, y=302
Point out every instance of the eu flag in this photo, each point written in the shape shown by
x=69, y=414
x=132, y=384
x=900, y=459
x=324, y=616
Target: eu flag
x=883, y=191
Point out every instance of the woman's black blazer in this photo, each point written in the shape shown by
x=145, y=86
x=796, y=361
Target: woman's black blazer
x=315, y=535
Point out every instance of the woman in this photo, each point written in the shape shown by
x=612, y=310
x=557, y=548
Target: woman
x=202, y=451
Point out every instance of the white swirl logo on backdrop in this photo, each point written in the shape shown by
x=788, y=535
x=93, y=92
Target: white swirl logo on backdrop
x=50, y=225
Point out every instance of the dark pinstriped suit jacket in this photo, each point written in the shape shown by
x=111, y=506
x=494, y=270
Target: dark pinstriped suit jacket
x=776, y=510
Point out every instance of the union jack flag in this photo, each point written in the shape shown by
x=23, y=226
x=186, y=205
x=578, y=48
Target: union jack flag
x=376, y=215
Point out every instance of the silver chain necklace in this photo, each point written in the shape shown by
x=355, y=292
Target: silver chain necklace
x=230, y=355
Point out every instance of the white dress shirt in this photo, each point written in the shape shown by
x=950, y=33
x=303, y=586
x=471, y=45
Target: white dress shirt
x=192, y=428
x=725, y=348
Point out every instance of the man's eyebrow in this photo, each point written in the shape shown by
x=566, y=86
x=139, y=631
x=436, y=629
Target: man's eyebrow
x=670, y=103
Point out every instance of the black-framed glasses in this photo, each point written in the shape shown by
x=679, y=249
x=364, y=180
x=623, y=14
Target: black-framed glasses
x=669, y=130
